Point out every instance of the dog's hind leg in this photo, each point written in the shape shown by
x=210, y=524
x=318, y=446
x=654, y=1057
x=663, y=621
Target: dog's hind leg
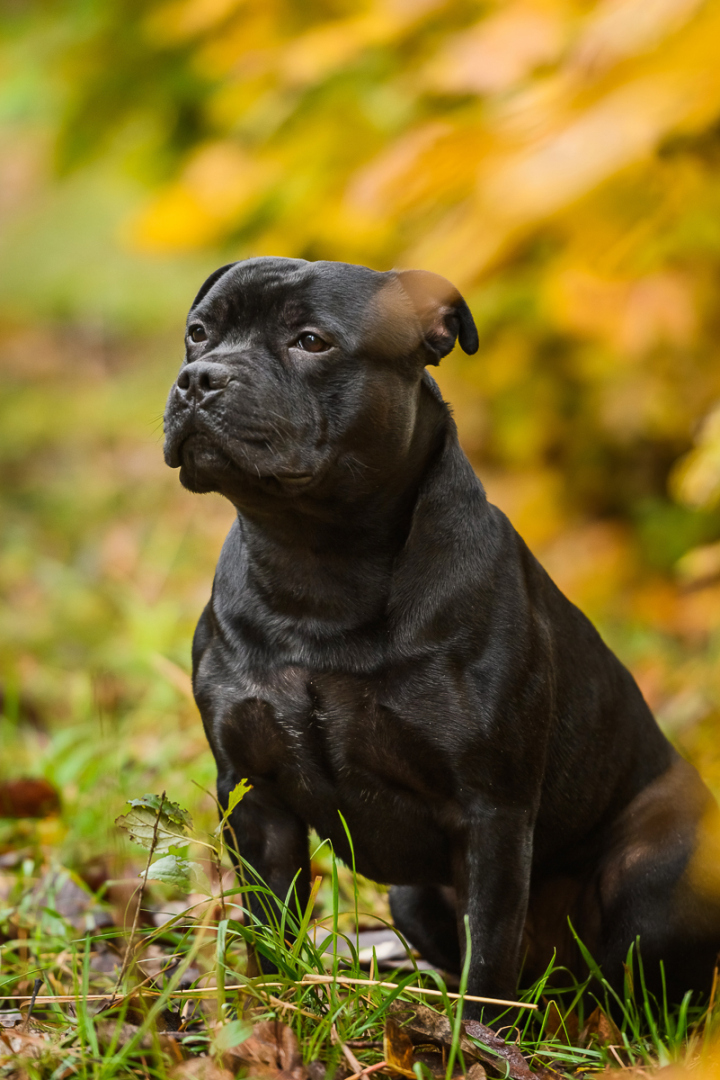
x=660, y=882
x=426, y=916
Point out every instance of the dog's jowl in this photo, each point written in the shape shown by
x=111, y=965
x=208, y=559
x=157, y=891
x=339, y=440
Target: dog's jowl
x=381, y=643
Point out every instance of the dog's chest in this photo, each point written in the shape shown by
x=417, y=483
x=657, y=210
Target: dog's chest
x=368, y=747
x=299, y=724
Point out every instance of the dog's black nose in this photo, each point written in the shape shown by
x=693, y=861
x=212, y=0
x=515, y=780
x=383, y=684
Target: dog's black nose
x=199, y=379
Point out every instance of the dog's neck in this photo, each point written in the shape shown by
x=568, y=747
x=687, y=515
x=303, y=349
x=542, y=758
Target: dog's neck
x=334, y=560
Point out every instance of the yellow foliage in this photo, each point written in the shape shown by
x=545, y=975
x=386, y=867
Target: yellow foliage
x=217, y=184
x=499, y=51
x=182, y=19
x=631, y=316
x=697, y=478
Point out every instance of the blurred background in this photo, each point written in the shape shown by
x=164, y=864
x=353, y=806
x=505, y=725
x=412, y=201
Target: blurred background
x=558, y=160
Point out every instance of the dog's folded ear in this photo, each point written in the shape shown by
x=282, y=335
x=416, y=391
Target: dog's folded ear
x=208, y=284
x=444, y=316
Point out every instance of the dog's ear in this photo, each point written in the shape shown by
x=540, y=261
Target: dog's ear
x=207, y=285
x=444, y=315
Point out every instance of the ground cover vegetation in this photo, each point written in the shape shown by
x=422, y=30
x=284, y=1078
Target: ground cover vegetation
x=559, y=160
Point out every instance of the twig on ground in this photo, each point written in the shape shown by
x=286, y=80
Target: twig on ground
x=307, y=980
x=350, y=1057
x=368, y=1069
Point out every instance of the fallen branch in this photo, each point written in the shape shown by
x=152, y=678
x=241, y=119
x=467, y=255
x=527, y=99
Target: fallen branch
x=369, y=1069
x=343, y=981
x=307, y=980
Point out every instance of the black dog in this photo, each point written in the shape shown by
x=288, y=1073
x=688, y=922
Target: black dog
x=381, y=642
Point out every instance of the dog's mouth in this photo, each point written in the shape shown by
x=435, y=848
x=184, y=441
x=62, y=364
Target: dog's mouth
x=196, y=453
x=296, y=480
x=185, y=451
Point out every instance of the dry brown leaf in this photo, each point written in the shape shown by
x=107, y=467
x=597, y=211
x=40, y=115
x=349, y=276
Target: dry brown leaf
x=200, y=1068
x=601, y=1030
x=398, y=1048
x=22, y=1044
x=107, y=1031
x=517, y=1066
x=567, y=1026
x=423, y=1025
x=476, y=1072
x=28, y=797
x=272, y=1050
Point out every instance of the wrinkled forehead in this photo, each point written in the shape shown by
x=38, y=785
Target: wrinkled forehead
x=290, y=293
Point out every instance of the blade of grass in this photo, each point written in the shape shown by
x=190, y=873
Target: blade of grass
x=457, y=1025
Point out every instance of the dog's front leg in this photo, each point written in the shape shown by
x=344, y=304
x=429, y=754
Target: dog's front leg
x=492, y=882
x=265, y=837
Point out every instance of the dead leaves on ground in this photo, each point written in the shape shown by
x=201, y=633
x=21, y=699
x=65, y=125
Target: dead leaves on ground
x=600, y=1030
x=417, y=1033
x=271, y=1051
x=27, y=1053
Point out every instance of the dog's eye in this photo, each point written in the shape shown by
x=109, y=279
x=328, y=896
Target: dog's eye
x=312, y=343
x=197, y=333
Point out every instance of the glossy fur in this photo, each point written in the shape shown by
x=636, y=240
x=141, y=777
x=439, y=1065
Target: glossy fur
x=381, y=642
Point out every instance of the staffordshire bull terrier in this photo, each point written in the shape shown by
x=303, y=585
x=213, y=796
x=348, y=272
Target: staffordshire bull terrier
x=380, y=642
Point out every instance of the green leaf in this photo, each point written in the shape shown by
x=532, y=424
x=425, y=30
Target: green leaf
x=171, y=810
x=238, y=792
x=142, y=823
x=232, y=1034
x=182, y=873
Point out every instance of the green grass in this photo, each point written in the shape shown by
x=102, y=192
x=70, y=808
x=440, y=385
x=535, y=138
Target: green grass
x=206, y=945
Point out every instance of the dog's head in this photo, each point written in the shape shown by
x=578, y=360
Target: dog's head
x=304, y=378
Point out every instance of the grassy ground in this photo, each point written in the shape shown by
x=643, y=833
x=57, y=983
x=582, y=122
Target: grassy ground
x=105, y=565
x=160, y=987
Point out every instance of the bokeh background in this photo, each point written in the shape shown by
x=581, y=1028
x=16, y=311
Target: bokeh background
x=558, y=160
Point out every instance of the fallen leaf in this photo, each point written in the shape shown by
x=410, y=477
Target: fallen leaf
x=476, y=1072
x=272, y=1051
x=22, y=1044
x=516, y=1065
x=109, y=1031
x=200, y=1068
x=424, y=1025
x=600, y=1030
x=398, y=1048
x=28, y=797
x=557, y=1024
